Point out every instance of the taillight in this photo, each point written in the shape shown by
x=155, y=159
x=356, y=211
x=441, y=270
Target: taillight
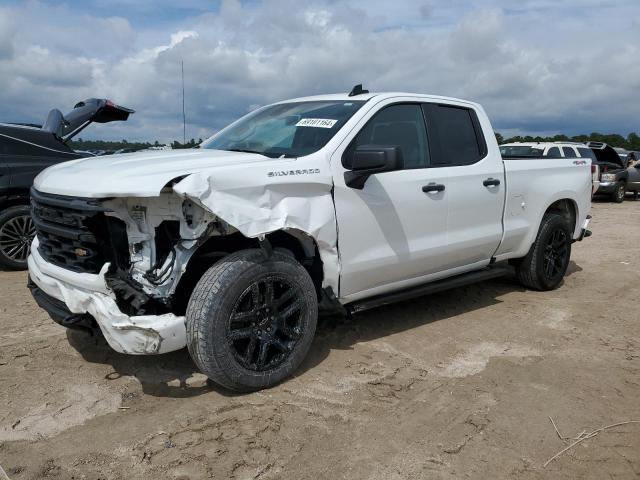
x=593, y=169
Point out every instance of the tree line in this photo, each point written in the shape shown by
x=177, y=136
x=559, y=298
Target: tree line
x=114, y=145
x=630, y=142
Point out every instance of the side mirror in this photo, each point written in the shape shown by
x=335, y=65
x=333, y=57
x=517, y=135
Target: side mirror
x=367, y=160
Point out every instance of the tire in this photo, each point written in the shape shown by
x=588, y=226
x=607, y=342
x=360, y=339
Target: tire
x=619, y=193
x=240, y=335
x=16, y=233
x=546, y=263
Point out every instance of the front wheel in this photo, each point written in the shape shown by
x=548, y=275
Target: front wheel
x=546, y=263
x=16, y=234
x=619, y=192
x=251, y=319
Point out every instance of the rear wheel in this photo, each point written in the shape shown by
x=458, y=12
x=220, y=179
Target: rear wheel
x=251, y=319
x=619, y=192
x=16, y=234
x=546, y=263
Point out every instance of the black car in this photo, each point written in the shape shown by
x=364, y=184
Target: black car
x=26, y=150
x=616, y=177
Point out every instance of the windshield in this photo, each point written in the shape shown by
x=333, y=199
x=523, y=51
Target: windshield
x=287, y=129
x=521, y=151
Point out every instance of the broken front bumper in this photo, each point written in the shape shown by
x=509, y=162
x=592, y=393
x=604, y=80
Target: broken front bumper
x=88, y=294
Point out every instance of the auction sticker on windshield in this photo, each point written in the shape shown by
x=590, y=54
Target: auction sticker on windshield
x=316, y=122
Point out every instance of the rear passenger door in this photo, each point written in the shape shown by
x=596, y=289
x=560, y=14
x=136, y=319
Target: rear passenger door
x=475, y=183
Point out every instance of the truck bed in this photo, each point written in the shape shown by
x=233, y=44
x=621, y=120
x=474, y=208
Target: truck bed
x=532, y=185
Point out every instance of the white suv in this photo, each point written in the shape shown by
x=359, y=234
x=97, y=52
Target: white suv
x=554, y=150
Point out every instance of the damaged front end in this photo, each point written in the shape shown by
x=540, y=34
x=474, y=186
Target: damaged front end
x=119, y=261
x=122, y=258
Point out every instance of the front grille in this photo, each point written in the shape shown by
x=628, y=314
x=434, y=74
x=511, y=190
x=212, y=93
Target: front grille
x=73, y=233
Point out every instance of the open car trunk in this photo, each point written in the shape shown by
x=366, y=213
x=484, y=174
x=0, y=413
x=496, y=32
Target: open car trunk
x=49, y=140
x=83, y=113
x=606, y=156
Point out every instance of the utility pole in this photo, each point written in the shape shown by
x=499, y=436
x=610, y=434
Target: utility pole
x=184, y=118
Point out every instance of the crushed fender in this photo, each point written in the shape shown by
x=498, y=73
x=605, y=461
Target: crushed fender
x=263, y=202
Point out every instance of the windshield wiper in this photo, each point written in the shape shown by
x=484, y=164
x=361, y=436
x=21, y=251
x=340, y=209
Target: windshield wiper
x=264, y=154
x=241, y=150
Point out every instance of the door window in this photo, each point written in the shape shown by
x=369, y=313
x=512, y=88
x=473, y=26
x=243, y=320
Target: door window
x=586, y=153
x=400, y=125
x=455, y=134
x=569, y=152
x=553, y=152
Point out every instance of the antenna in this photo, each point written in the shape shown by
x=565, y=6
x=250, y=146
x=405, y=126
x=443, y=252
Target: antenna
x=184, y=118
x=357, y=90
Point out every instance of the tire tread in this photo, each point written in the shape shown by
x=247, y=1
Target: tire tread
x=526, y=270
x=206, y=296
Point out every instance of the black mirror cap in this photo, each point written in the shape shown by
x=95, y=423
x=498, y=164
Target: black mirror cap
x=373, y=156
x=367, y=160
x=385, y=159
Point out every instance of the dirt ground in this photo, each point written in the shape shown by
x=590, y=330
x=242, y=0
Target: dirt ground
x=456, y=385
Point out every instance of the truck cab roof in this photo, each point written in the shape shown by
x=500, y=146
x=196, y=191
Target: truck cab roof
x=345, y=97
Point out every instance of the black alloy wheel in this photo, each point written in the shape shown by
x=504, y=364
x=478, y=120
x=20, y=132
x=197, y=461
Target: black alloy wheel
x=556, y=254
x=251, y=319
x=544, y=267
x=266, y=323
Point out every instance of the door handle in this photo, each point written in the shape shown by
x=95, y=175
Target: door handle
x=491, y=182
x=433, y=187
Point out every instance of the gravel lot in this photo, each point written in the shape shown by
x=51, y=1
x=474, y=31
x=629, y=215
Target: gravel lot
x=456, y=385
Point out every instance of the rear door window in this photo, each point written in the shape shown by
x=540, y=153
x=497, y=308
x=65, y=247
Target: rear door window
x=569, y=152
x=455, y=135
x=586, y=153
x=553, y=152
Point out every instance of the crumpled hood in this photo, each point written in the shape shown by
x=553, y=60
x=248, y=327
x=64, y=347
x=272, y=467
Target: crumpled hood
x=141, y=174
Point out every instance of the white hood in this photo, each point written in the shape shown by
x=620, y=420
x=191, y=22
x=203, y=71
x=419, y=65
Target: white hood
x=141, y=174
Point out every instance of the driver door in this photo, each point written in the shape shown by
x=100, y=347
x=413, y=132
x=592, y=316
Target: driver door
x=392, y=232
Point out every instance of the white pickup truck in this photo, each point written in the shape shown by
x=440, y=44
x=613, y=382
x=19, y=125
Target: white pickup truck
x=338, y=201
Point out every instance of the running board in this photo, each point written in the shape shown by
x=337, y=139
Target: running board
x=487, y=273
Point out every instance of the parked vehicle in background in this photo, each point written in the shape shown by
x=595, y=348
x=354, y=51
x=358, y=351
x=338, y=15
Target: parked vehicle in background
x=625, y=155
x=615, y=178
x=340, y=201
x=26, y=150
x=554, y=150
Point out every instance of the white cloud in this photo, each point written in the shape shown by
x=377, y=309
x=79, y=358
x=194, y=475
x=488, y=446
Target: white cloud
x=536, y=65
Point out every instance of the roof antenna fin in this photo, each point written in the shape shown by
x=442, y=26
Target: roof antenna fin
x=357, y=90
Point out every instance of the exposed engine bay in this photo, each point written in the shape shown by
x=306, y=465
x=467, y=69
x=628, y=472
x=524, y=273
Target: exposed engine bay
x=146, y=241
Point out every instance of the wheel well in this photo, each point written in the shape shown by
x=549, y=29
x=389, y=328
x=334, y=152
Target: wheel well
x=566, y=208
x=302, y=246
x=13, y=199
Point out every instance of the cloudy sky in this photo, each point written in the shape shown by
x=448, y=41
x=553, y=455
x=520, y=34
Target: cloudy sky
x=538, y=66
